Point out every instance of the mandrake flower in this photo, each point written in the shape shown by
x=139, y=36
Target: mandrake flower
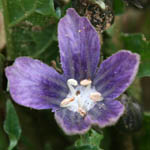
x=84, y=95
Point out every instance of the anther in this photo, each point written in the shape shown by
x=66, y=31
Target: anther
x=66, y=101
x=96, y=96
x=85, y=82
x=81, y=111
x=79, y=31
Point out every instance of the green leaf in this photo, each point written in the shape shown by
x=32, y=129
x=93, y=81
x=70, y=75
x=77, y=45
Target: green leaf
x=31, y=27
x=118, y=7
x=3, y=140
x=2, y=61
x=0, y=5
x=85, y=147
x=137, y=43
x=142, y=140
x=46, y=7
x=89, y=141
x=11, y=125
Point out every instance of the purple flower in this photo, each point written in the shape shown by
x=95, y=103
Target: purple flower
x=84, y=95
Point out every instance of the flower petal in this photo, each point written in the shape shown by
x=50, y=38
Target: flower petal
x=116, y=73
x=105, y=113
x=79, y=46
x=71, y=122
x=35, y=84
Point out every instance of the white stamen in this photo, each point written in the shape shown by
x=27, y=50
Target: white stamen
x=96, y=96
x=85, y=82
x=79, y=101
x=81, y=98
x=81, y=111
x=71, y=83
x=66, y=101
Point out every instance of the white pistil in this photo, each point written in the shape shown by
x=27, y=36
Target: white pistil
x=71, y=83
x=82, y=111
x=96, y=96
x=66, y=101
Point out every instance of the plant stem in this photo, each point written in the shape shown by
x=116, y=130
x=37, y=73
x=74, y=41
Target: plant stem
x=7, y=29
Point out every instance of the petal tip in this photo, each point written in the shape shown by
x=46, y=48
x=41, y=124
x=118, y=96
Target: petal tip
x=124, y=66
x=68, y=131
x=135, y=55
x=113, y=121
x=109, y=120
x=71, y=28
x=71, y=10
x=137, y=63
x=30, y=84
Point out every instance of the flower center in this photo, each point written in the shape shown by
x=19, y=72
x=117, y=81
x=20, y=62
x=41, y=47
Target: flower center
x=81, y=97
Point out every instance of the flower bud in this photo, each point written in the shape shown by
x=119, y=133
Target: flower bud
x=131, y=121
x=99, y=13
